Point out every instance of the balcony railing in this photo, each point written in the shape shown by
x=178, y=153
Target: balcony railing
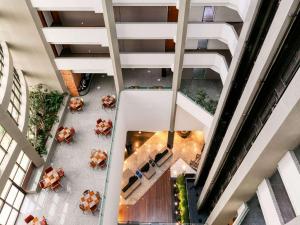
x=282, y=72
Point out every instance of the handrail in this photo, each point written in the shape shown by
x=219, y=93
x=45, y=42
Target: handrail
x=109, y=161
x=194, y=101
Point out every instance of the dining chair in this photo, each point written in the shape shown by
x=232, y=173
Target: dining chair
x=94, y=209
x=97, y=132
x=55, y=186
x=61, y=172
x=28, y=218
x=42, y=184
x=60, y=128
x=69, y=139
x=98, y=195
x=92, y=164
x=82, y=208
x=104, y=153
x=86, y=192
x=102, y=165
x=49, y=169
x=43, y=221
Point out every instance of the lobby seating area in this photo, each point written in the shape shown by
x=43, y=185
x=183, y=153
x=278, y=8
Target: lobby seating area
x=71, y=187
x=146, y=165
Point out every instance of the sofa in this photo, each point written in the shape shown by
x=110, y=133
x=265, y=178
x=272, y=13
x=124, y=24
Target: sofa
x=130, y=182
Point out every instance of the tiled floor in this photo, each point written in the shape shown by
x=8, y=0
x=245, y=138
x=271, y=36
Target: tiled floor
x=62, y=208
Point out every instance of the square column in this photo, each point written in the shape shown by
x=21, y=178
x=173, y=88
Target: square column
x=109, y=19
x=183, y=16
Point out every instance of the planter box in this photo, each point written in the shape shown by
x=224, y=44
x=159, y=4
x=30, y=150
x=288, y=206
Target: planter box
x=37, y=173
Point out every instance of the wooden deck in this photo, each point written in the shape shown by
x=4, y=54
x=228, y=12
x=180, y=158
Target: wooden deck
x=154, y=206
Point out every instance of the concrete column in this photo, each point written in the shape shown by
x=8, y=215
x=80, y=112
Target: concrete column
x=11, y=127
x=184, y=8
x=72, y=81
x=109, y=18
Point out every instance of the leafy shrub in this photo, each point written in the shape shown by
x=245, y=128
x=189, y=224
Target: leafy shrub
x=203, y=99
x=183, y=201
x=44, y=105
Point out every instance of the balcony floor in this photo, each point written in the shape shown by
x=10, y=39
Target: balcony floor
x=62, y=208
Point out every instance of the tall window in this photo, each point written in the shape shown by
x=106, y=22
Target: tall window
x=15, y=98
x=1, y=62
x=7, y=144
x=11, y=200
x=12, y=196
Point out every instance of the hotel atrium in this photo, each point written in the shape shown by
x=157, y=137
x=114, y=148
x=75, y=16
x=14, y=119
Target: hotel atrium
x=149, y=112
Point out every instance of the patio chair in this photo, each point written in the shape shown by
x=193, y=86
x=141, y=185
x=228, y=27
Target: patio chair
x=60, y=128
x=61, y=172
x=86, y=192
x=99, y=121
x=97, y=132
x=92, y=164
x=42, y=184
x=43, y=221
x=49, y=169
x=94, y=209
x=104, y=153
x=69, y=139
x=55, y=186
x=72, y=131
x=28, y=219
x=102, y=165
x=110, y=123
x=82, y=208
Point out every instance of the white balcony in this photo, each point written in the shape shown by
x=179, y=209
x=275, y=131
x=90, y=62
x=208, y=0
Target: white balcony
x=240, y=6
x=219, y=31
x=68, y=5
x=85, y=64
x=76, y=35
x=98, y=35
x=213, y=61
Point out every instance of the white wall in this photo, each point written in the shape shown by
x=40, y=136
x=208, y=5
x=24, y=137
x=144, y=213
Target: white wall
x=68, y=5
x=76, y=35
x=20, y=28
x=194, y=110
x=151, y=113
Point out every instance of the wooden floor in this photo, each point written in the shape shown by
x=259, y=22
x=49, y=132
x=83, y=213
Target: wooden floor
x=154, y=206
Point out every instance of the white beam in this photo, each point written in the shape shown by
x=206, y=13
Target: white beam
x=268, y=204
x=76, y=35
x=289, y=170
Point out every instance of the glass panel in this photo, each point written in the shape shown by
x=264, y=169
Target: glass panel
x=6, y=141
x=2, y=132
x=12, y=218
x=19, y=200
x=12, y=146
x=12, y=195
x=5, y=213
x=2, y=154
x=25, y=162
x=13, y=172
x=19, y=177
x=20, y=157
x=6, y=189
